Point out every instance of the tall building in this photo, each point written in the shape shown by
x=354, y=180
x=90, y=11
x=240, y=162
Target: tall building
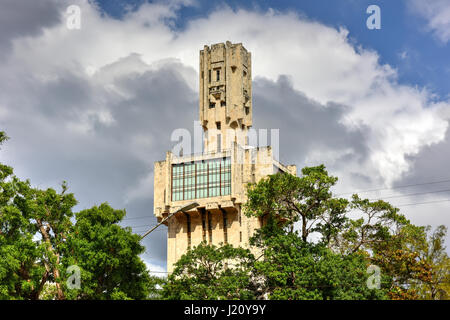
x=216, y=178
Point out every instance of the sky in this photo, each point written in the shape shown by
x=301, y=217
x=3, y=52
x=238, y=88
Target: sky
x=96, y=106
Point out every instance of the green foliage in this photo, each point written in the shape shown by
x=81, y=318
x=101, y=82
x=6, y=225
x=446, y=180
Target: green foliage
x=3, y=137
x=39, y=240
x=108, y=256
x=298, y=270
x=208, y=272
x=335, y=267
x=156, y=285
x=430, y=248
x=289, y=199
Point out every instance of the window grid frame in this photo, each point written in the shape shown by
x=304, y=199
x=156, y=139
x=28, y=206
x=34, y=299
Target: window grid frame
x=201, y=179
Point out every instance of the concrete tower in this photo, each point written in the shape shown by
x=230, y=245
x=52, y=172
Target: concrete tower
x=216, y=178
x=225, y=94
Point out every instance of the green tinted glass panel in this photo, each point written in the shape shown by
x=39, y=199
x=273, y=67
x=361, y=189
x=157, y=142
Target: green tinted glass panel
x=201, y=179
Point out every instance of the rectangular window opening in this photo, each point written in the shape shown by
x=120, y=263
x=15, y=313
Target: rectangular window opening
x=201, y=179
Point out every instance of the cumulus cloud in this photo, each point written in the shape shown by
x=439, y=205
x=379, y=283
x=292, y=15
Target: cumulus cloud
x=311, y=133
x=320, y=61
x=96, y=106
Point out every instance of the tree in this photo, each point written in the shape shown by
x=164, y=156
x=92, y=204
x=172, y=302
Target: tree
x=26, y=213
x=380, y=236
x=39, y=240
x=290, y=199
x=297, y=270
x=108, y=256
x=294, y=267
x=439, y=286
x=391, y=242
x=208, y=272
x=431, y=249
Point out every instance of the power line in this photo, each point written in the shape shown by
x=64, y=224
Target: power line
x=142, y=225
x=398, y=187
x=147, y=228
x=411, y=194
x=413, y=204
x=134, y=218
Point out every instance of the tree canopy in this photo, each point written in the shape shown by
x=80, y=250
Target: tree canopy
x=43, y=243
x=380, y=237
x=209, y=272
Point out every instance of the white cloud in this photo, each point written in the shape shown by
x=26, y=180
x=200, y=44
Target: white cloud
x=437, y=14
x=155, y=270
x=320, y=60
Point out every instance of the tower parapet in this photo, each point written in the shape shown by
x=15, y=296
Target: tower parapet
x=225, y=92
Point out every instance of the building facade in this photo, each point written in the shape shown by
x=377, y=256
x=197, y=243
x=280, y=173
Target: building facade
x=216, y=178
